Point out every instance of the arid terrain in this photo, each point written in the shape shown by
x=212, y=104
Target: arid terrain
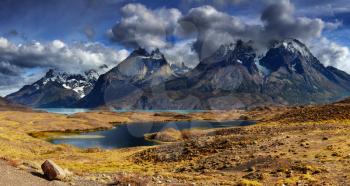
x=293, y=146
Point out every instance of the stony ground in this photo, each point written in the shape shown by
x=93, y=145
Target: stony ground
x=11, y=176
x=291, y=146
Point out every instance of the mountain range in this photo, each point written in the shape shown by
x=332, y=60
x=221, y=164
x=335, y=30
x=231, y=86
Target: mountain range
x=235, y=76
x=55, y=89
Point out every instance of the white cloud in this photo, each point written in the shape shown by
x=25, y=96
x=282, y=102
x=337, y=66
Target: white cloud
x=182, y=52
x=57, y=54
x=16, y=59
x=332, y=54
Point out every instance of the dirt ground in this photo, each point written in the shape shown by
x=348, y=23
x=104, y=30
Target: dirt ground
x=291, y=146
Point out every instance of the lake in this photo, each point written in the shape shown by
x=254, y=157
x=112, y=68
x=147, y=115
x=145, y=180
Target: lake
x=67, y=111
x=132, y=135
x=70, y=111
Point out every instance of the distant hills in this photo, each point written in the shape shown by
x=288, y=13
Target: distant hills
x=233, y=77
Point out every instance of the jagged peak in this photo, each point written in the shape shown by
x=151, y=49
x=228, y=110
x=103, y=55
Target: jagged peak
x=92, y=74
x=140, y=52
x=239, y=45
x=294, y=46
x=156, y=54
x=56, y=75
x=50, y=73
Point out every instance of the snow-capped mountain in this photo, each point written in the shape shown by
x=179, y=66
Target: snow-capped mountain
x=80, y=83
x=235, y=76
x=55, y=89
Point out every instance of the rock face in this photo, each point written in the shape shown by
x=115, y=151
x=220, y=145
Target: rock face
x=55, y=89
x=233, y=77
x=52, y=171
x=124, y=85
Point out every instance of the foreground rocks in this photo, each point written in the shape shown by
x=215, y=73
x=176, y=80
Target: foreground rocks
x=52, y=171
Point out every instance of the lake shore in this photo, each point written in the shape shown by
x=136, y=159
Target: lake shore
x=23, y=138
x=281, y=148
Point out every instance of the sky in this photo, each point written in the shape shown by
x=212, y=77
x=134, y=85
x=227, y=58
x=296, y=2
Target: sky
x=78, y=35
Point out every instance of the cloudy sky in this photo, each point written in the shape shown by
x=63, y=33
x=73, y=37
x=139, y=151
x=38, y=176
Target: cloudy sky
x=77, y=35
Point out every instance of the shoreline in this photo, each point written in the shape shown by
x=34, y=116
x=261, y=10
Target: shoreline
x=17, y=145
x=151, y=117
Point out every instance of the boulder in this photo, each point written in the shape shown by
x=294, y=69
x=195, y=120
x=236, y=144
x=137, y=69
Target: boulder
x=52, y=171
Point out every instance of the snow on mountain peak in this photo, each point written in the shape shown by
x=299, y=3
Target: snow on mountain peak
x=80, y=83
x=294, y=46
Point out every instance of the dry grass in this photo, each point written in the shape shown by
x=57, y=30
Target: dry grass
x=282, y=150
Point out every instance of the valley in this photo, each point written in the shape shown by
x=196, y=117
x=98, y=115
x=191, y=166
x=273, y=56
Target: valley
x=175, y=93
x=235, y=119
x=290, y=145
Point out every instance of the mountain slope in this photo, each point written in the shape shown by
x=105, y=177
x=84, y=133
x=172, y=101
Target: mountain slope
x=55, y=89
x=131, y=78
x=235, y=76
x=297, y=77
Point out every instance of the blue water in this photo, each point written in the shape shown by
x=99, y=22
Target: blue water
x=67, y=111
x=70, y=111
x=132, y=135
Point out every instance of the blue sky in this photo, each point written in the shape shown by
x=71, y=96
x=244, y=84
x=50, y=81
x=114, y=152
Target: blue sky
x=76, y=35
x=46, y=20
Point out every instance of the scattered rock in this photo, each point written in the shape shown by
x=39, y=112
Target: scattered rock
x=52, y=171
x=254, y=176
x=251, y=169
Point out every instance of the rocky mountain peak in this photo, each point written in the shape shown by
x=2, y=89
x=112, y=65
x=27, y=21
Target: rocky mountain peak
x=290, y=54
x=92, y=74
x=140, y=52
x=50, y=73
x=293, y=46
x=157, y=55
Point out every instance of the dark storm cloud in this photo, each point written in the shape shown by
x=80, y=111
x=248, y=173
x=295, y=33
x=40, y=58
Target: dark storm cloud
x=277, y=22
x=151, y=28
x=8, y=69
x=140, y=26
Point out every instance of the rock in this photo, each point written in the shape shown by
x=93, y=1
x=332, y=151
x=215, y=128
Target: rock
x=52, y=171
x=251, y=169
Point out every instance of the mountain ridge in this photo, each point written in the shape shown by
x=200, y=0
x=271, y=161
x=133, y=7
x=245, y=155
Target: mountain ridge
x=235, y=76
x=55, y=89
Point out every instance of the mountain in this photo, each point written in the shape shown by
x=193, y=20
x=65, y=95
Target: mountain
x=297, y=77
x=125, y=84
x=179, y=69
x=230, y=78
x=235, y=76
x=55, y=89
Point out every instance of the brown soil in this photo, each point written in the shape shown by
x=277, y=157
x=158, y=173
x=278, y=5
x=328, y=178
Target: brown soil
x=290, y=145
